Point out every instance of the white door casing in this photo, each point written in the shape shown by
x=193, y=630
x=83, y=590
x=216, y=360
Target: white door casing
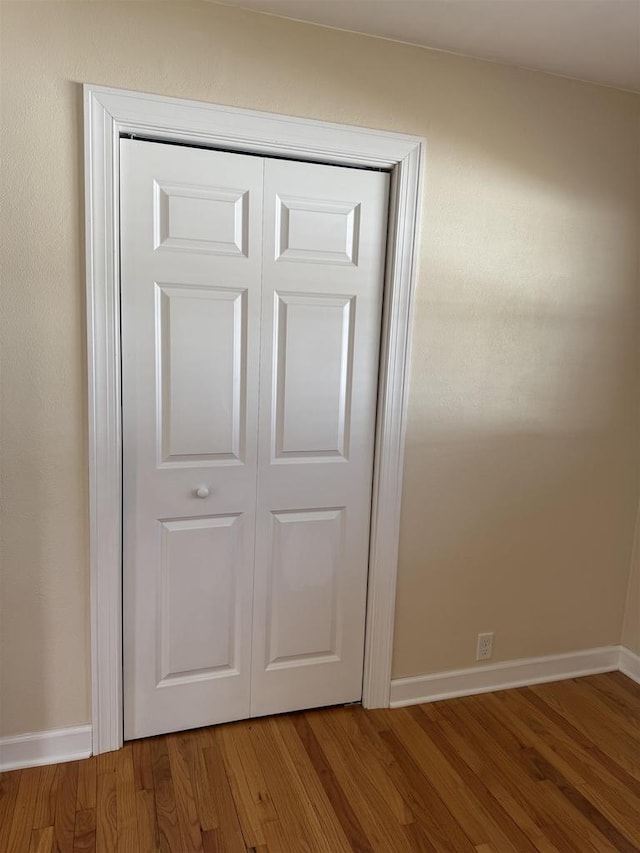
x=202, y=285
x=111, y=113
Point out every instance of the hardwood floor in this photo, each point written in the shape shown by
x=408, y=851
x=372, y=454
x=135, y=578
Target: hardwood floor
x=551, y=768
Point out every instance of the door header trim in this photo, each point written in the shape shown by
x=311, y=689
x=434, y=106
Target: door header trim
x=110, y=113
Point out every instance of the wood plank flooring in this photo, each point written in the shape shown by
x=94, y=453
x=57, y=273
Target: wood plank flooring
x=549, y=768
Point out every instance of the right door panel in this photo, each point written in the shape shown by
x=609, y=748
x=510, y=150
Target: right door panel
x=323, y=270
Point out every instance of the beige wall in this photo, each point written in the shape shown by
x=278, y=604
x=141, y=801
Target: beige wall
x=521, y=474
x=631, y=625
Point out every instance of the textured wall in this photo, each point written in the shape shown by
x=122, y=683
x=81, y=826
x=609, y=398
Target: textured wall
x=521, y=470
x=631, y=626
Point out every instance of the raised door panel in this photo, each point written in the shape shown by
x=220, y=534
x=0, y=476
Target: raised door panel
x=305, y=573
x=317, y=230
x=313, y=351
x=201, y=371
x=199, y=626
x=201, y=218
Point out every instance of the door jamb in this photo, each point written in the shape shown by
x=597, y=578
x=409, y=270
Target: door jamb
x=109, y=114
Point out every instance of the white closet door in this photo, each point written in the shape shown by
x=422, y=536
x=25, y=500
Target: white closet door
x=324, y=252
x=191, y=224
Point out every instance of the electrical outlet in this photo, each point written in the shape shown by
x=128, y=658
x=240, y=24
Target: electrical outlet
x=484, y=649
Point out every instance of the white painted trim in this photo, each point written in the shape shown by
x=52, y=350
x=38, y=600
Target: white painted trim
x=105, y=458
x=112, y=112
x=486, y=678
x=49, y=747
x=71, y=744
x=629, y=664
x=395, y=356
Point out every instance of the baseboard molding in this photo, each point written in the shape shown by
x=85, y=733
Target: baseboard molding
x=49, y=747
x=70, y=744
x=630, y=664
x=501, y=676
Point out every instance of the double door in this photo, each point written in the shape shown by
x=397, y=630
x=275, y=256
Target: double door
x=251, y=310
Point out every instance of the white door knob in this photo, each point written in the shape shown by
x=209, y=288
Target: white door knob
x=202, y=492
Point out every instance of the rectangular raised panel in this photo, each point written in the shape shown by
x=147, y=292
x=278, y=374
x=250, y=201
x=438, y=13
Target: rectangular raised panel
x=313, y=343
x=199, y=571
x=316, y=231
x=214, y=220
x=304, y=587
x=201, y=366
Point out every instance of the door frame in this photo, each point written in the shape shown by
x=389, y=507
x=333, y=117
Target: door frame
x=111, y=113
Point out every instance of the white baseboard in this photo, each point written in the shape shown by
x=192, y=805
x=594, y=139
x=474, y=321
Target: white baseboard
x=49, y=747
x=486, y=678
x=70, y=744
x=630, y=664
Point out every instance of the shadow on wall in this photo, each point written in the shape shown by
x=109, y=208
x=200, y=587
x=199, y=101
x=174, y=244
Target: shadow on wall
x=511, y=535
x=519, y=488
x=520, y=474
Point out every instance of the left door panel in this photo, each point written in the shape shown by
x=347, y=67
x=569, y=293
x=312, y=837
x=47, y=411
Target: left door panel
x=190, y=276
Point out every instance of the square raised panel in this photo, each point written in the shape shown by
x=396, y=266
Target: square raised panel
x=313, y=360
x=317, y=231
x=199, y=571
x=200, y=369
x=304, y=588
x=201, y=219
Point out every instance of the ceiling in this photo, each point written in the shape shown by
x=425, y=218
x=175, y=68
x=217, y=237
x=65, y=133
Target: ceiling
x=595, y=40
